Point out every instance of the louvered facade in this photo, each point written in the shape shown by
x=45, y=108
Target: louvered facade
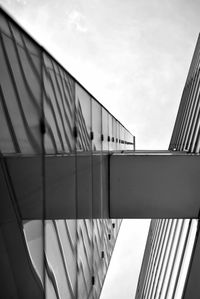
x=171, y=263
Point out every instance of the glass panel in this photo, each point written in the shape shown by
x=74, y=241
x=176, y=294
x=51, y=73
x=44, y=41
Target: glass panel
x=29, y=44
x=16, y=34
x=83, y=119
x=125, y=139
x=4, y=25
x=114, y=133
x=85, y=266
x=7, y=143
x=117, y=135
x=33, y=231
x=21, y=91
x=110, y=132
x=68, y=237
x=55, y=262
x=59, y=108
x=84, y=193
x=97, y=255
x=122, y=145
x=50, y=290
x=96, y=126
x=105, y=132
x=68, y=250
x=120, y=137
x=129, y=140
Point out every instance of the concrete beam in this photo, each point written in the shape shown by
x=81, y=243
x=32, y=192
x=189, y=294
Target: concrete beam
x=141, y=185
x=154, y=185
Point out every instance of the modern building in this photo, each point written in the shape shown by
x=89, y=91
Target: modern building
x=171, y=263
x=55, y=137
x=69, y=173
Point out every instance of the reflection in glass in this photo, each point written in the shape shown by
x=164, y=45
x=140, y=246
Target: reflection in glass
x=59, y=177
x=33, y=231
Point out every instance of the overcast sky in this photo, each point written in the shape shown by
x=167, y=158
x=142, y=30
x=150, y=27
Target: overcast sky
x=122, y=276
x=133, y=56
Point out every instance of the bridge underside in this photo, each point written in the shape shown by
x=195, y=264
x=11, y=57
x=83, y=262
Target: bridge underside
x=136, y=185
x=154, y=185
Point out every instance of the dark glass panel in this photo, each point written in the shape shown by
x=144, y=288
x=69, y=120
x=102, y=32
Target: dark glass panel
x=7, y=144
x=4, y=24
x=22, y=96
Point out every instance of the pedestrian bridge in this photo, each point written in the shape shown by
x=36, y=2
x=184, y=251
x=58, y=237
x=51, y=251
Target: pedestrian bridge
x=139, y=184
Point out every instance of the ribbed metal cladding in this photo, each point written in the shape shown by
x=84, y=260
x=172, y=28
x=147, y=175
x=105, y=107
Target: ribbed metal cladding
x=45, y=114
x=171, y=260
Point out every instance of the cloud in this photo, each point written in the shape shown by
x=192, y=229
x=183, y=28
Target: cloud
x=23, y=2
x=78, y=21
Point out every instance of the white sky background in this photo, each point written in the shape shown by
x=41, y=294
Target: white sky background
x=133, y=56
x=122, y=276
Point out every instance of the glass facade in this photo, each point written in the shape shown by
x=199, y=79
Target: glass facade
x=56, y=238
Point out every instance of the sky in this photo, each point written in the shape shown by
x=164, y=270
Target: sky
x=133, y=56
x=122, y=276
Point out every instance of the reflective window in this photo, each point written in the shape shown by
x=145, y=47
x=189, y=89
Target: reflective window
x=110, y=132
x=22, y=97
x=33, y=231
x=83, y=118
x=96, y=126
x=59, y=182
x=55, y=263
x=105, y=132
x=7, y=143
x=114, y=133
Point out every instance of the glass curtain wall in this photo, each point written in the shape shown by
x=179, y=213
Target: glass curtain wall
x=56, y=238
